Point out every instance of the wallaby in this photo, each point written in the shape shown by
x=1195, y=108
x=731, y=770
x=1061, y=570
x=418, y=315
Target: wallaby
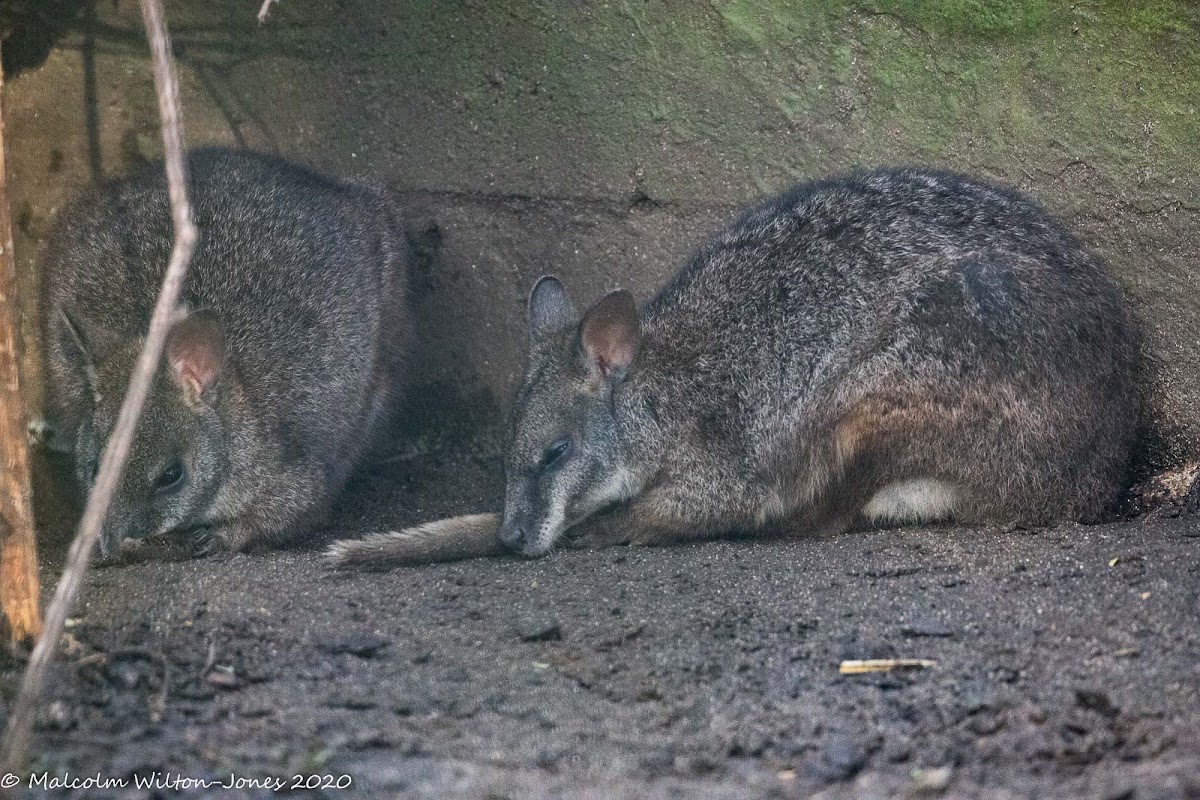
x=894, y=346
x=285, y=363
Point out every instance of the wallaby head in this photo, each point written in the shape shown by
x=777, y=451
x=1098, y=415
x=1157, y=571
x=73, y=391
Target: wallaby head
x=566, y=459
x=178, y=454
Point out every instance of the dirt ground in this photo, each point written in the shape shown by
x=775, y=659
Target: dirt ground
x=1068, y=663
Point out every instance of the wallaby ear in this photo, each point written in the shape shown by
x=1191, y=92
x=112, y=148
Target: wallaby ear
x=611, y=333
x=195, y=354
x=550, y=307
x=89, y=341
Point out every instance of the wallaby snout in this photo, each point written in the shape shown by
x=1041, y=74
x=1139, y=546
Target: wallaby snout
x=515, y=536
x=524, y=530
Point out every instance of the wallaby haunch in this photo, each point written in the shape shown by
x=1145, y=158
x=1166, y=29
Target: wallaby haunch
x=286, y=360
x=894, y=346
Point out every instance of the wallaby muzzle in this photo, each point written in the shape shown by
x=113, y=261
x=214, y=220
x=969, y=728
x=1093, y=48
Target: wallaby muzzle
x=514, y=536
x=523, y=537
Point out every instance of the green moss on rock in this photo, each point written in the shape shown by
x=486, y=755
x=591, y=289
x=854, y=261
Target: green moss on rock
x=984, y=18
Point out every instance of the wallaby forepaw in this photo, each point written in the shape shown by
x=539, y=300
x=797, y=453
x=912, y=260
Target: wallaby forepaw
x=597, y=536
x=207, y=542
x=42, y=433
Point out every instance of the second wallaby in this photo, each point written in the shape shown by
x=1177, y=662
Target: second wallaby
x=894, y=346
x=283, y=368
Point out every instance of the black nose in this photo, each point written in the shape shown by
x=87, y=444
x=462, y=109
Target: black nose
x=513, y=536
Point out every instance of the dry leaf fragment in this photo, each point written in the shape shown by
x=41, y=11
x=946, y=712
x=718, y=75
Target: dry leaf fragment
x=884, y=665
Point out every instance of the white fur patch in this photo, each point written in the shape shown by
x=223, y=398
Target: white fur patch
x=550, y=530
x=913, y=500
x=617, y=487
x=771, y=509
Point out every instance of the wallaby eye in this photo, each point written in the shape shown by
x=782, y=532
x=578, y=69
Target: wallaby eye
x=555, y=452
x=170, y=478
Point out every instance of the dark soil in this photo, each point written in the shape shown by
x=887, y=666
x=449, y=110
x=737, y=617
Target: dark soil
x=1068, y=664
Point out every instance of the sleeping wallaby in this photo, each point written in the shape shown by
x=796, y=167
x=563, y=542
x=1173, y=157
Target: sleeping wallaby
x=285, y=362
x=895, y=346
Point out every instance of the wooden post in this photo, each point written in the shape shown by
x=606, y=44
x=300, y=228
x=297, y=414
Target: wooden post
x=18, y=550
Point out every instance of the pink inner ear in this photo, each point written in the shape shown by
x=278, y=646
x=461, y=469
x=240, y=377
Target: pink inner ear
x=610, y=348
x=611, y=332
x=195, y=351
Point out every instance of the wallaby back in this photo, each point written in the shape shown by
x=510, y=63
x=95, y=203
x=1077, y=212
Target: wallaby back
x=267, y=405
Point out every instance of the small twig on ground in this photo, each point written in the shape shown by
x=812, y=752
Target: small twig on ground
x=210, y=661
x=94, y=658
x=884, y=665
x=265, y=11
x=158, y=706
x=20, y=723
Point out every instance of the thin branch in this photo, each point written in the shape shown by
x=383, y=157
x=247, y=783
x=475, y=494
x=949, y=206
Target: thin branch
x=265, y=11
x=20, y=724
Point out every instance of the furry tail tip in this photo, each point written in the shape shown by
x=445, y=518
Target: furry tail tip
x=452, y=539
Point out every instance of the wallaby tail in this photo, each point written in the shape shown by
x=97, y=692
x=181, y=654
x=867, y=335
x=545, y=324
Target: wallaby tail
x=451, y=539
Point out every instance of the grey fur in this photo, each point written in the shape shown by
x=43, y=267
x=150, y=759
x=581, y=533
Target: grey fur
x=909, y=343
x=295, y=311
